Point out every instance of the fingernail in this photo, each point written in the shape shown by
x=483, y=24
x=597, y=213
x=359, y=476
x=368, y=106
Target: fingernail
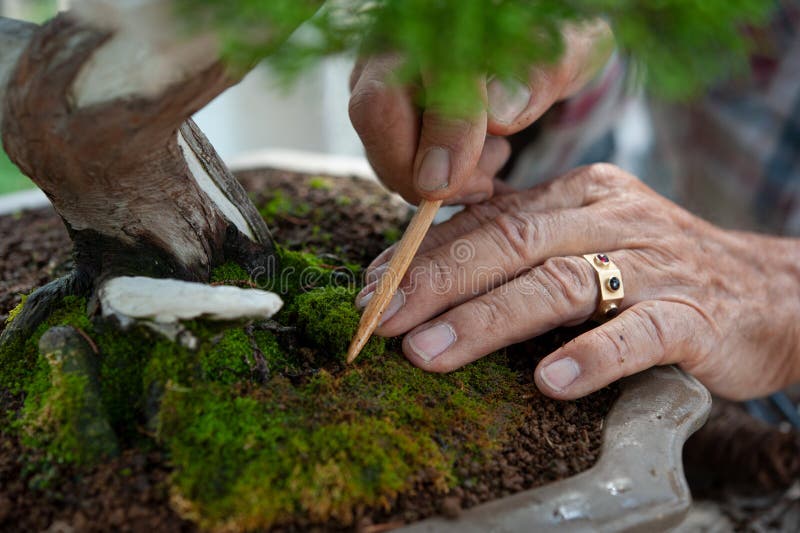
x=429, y=343
x=561, y=374
x=507, y=99
x=382, y=258
x=376, y=273
x=366, y=294
x=434, y=172
x=397, y=301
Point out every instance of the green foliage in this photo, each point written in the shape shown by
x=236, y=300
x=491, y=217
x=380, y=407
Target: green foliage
x=683, y=44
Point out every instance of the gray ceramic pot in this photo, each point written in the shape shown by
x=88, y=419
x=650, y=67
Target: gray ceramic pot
x=636, y=485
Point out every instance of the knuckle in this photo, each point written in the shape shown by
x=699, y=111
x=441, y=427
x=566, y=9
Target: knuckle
x=606, y=174
x=490, y=313
x=434, y=272
x=451, y=132
x=573, y=283
x=620, y=346
x=652, y=327
x=369, y=100
x=518, y=232
x=482, y=213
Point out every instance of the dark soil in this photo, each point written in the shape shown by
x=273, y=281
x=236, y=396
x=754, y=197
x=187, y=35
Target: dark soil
x=352, y=221
x=34, y=249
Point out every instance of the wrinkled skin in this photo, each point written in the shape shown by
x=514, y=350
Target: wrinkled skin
x=723, y=305
x=720, y=304
x=428, y=154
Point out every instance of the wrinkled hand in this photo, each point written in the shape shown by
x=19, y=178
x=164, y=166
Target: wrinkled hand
x=721, y=304
x=426, y=154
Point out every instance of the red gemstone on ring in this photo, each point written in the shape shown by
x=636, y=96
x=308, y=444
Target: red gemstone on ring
x=603, y=258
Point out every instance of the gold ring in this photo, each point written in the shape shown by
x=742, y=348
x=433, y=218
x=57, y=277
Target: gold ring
x=611, y=290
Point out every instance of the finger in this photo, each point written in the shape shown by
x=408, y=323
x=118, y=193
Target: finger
x=480, y=185
x=387, y=122
x=562, y=291
x=515, y=104
x=488, y=257
x=582, y=187
x=501, y=187
x=448, y=152
x=648, y=334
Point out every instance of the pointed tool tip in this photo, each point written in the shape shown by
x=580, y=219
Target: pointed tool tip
x=353, y=351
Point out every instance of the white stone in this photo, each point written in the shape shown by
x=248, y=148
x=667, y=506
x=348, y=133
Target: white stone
x=171, y=300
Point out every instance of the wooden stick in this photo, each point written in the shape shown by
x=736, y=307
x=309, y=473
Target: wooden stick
x=390, y=280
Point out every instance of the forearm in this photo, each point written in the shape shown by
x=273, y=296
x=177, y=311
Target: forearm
x=775, y=296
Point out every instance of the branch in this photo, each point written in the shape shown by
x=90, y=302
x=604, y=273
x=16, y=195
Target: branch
x=14, y=37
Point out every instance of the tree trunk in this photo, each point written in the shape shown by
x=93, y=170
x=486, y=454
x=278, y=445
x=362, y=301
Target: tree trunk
x=139, y=187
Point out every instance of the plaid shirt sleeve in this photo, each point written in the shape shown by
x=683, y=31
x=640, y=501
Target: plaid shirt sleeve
x=732, y=156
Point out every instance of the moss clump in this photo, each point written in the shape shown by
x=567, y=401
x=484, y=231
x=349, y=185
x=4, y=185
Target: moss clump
x=330, y=319
x=392, y=235
x=320, y=183
x=333, y=443
x=14, y=312
x=262, y=421
x=18, y=359
x=277, y=359
x=303, y=272
x=64, y=413
x=229, y=359
x=282, y=205
x=229, y=272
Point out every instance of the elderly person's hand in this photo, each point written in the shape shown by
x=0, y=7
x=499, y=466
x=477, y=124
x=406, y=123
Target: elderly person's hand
x=427, y=154
x=723, y=305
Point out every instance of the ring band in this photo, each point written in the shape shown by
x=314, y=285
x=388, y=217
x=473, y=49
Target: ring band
x=611, y=290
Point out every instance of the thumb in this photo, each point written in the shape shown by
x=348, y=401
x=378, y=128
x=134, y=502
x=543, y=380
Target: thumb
x=448, y=152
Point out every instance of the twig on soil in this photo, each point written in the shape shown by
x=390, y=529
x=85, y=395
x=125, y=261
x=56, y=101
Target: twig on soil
x=245, y=282
x=380, y=528
x=88, y=339
x=275, y=327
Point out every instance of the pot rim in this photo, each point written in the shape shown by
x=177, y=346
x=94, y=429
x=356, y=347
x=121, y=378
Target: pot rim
x=638, y=482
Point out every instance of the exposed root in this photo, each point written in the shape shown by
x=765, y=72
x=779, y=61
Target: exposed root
x=41, y=303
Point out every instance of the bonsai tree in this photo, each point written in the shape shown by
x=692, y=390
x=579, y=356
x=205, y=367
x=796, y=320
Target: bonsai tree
x=95, y=109
x=96, y=103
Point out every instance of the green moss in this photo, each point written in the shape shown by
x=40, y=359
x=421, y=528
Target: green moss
x=344, y=200
x=329, y=319
x=124, y=357
x=278, y=360
x=334, y=443
x=229, y=272
x=279, y=204
x=18, y=359
x=14, y=312
x=229, y=359
x=317, y=438
x=320, y=183
x=64, y=414
x=392, y=235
